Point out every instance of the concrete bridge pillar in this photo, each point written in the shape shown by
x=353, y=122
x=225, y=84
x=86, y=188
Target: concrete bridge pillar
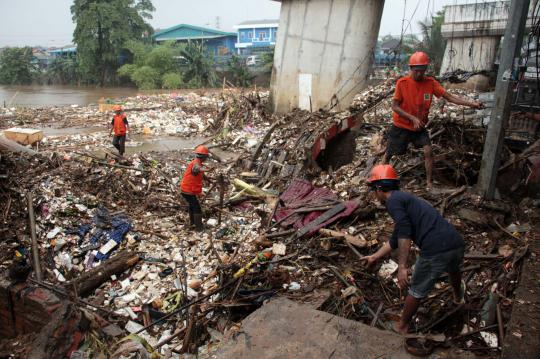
x=470, y=53
x=323, y=53
x=473, y=34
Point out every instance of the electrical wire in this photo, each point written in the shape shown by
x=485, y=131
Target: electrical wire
x=370, y=53
x=411, y=18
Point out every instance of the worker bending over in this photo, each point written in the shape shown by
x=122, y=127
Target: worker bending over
x=191, y=186
x=120, y=127
x=410, y=105
x=441, y=246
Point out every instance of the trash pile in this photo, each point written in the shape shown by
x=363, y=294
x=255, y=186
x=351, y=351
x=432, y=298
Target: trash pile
x=114, y=240
x=232, y=114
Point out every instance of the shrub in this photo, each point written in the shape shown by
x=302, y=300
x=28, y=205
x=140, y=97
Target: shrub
x=171, y=80
x=146, y=78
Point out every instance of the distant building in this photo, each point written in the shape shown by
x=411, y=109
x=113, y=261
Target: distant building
x=218, y=43
x=388, y=52
x=65, y=51
x=41, y=58
x=390, y=46
x=256, y=35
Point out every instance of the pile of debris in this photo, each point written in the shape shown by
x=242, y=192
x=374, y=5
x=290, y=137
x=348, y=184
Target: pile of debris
x=162, y=114
x=114, y=243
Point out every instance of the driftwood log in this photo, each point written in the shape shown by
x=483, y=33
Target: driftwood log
x=88, y=281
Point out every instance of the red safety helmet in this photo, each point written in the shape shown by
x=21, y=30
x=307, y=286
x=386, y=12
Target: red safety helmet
x=117, y=108
x=382, y=172
x=202, y=150
x=419, y=58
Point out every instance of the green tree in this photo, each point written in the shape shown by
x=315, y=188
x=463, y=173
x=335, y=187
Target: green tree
x=172, y=80
x=239, y=71
x=433, y=42
x=268, y=61
x=151, y=64
x=16, y=66
x=161, y=58
x=138, y=51
x=63, y=70
x=102, y=28
x=409, y=44
x=145, y=77
x=199, y=68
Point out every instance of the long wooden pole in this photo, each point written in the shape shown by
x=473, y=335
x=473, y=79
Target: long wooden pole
x=35, y=250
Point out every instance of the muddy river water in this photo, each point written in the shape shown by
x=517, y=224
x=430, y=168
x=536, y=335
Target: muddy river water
x=136, y=143
x=41, y=96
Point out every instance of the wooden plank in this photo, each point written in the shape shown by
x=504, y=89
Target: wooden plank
x=359, y=242
x=261, y=144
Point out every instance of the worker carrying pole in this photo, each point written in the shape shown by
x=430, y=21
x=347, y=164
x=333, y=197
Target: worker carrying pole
x=191, y=186
x=410, y=105
x=441, y=246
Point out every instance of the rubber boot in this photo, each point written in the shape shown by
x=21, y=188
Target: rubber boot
x=191, y=221
x=197, y=219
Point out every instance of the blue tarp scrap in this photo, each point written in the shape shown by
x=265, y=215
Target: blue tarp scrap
x=120, y=227
x=81, y=231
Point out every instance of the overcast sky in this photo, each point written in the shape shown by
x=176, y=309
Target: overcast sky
x=48, y=22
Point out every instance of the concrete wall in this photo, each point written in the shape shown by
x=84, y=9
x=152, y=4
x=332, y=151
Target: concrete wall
x=473, y=33
x=324, y=48
x=475, y=19
x=470, y=53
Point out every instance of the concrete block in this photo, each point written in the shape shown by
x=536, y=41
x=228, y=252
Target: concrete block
x=24, y=136
x=286, y=329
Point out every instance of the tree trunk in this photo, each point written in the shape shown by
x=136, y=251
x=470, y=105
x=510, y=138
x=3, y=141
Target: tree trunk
x=88, y=281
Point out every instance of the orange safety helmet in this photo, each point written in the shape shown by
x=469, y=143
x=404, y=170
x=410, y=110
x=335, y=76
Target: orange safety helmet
x=117, y=108
x=419, y=58
x=201, y=151
x=382, y=172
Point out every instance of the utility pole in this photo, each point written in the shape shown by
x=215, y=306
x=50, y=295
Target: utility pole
x=510, y=52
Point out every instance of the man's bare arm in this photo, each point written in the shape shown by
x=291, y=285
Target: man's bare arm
x=381, y=253
x=462, y=101
x=404, y=246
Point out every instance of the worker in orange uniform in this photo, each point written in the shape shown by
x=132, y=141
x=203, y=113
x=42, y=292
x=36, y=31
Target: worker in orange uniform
x=410, y=106
x=120, y=127
x=191, y=186
x=415, y=220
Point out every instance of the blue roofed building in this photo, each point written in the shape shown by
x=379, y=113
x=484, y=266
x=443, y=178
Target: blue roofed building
x=253, y=36
x=65, y=51
x=218, y=43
